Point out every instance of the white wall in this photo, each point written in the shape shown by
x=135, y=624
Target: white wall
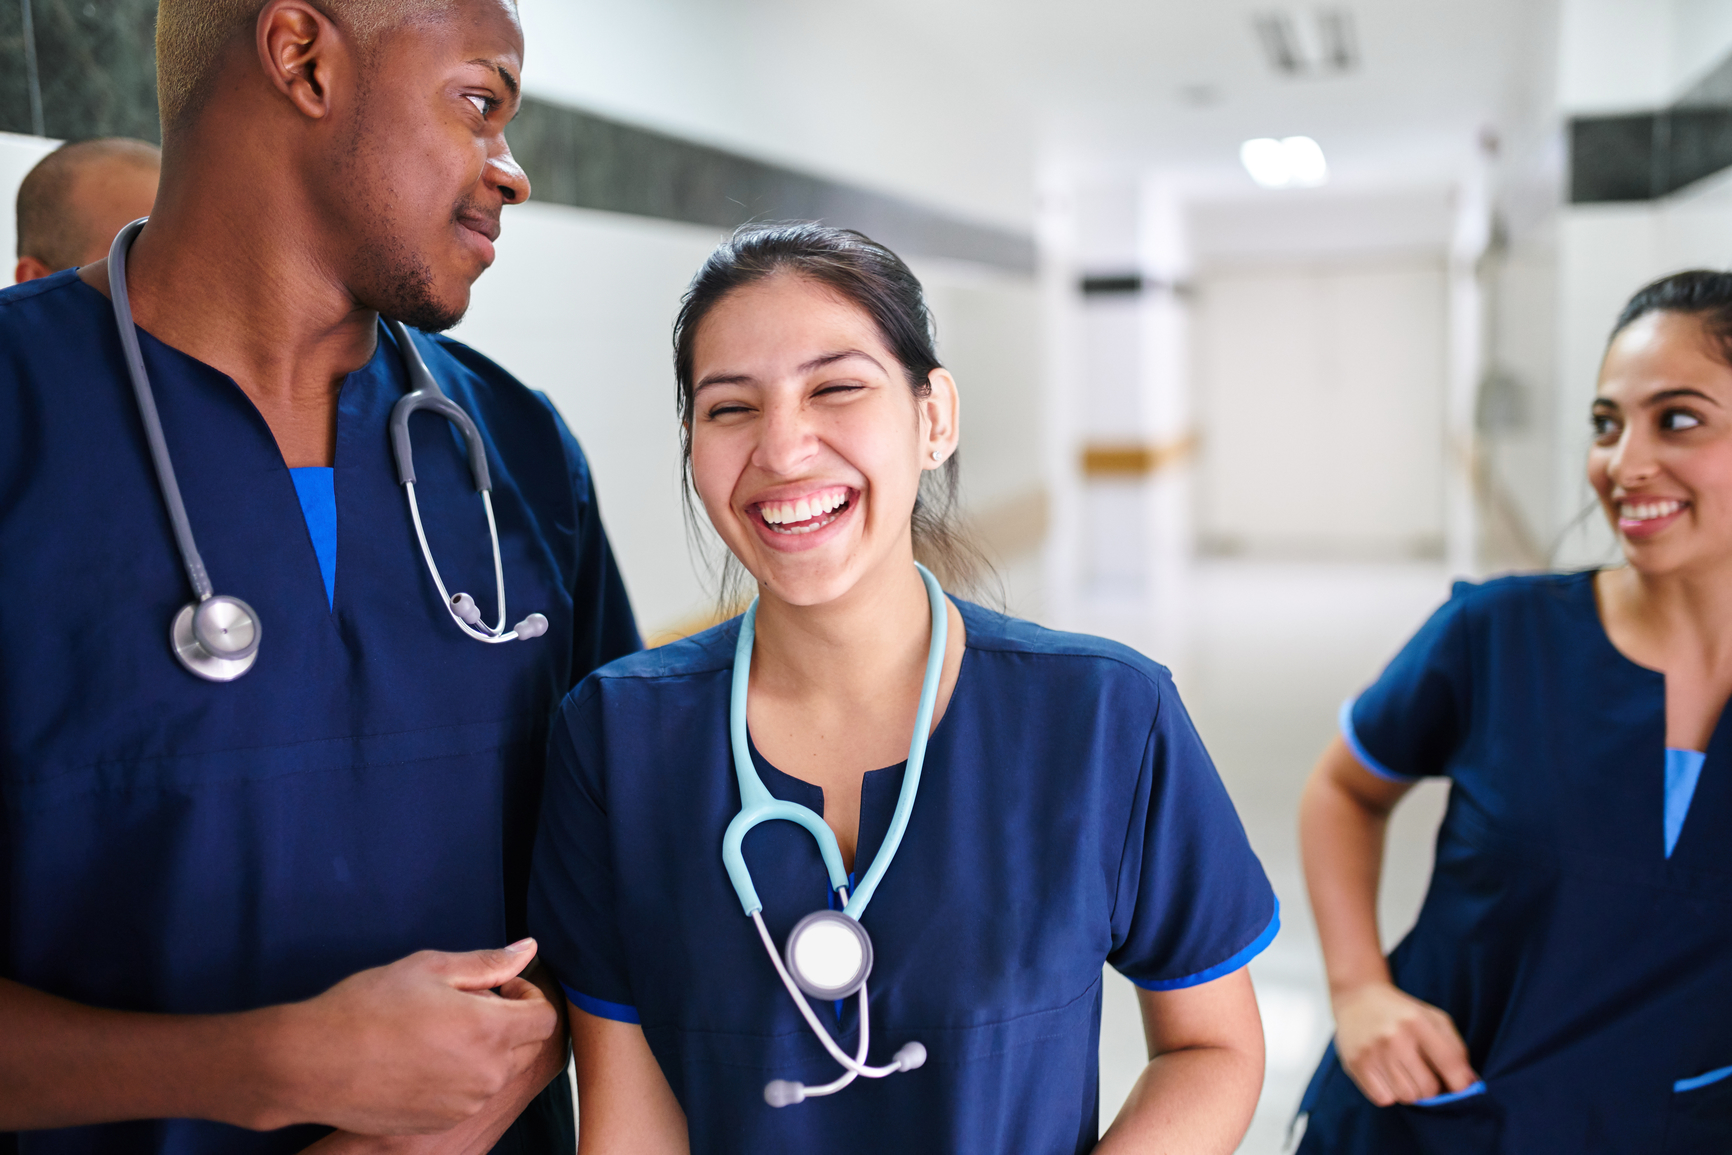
x=1631, y=55
x=856, y=92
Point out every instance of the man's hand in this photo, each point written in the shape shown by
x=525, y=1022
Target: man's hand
x=415, y=1047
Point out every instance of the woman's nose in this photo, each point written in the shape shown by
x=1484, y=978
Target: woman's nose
x=1632, y=461
x=787, y=442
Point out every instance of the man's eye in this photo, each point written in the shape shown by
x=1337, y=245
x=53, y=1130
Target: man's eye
x=1677, y=420
x=483, y=105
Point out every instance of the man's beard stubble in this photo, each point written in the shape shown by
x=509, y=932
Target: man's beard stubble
x=397, y=281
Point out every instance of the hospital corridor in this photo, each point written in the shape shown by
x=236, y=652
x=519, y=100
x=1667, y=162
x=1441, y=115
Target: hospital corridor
x=1317, y=412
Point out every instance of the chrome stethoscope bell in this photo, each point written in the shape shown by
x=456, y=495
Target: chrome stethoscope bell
x=829, y=955
x=217, y=638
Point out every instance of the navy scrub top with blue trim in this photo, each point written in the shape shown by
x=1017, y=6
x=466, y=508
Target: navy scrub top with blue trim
x=1588, y=970
x=369, y=788
x=1068, y=816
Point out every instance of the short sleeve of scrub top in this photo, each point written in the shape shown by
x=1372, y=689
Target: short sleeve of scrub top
x=1068, y=817
x=1405, y=725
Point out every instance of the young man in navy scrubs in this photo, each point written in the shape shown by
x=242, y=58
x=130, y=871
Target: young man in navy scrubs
x=272, y=913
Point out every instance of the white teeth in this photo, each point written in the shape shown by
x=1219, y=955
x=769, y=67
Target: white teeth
x=1648, y=510
x=813, y=505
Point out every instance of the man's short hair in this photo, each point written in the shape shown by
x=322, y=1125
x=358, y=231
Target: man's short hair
x=191, y=35
x=48, y=227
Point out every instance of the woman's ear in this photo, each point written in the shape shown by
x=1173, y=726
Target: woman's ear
x=939, y=411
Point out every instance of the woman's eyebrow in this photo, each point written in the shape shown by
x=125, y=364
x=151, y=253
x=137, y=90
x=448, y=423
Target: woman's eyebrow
x=721, y=379
x=821, y=361
x=1666, y=395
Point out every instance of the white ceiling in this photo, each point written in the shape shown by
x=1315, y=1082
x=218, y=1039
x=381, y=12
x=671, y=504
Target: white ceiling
x=962, y=102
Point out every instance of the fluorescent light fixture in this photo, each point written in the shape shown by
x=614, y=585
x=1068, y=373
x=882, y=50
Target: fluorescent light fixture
x=1293, y=162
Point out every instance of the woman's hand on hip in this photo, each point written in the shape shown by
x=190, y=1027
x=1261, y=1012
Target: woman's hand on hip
x=1397, y=1048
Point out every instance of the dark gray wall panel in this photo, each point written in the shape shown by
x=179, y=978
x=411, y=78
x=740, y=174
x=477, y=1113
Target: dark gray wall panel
x=579, y=159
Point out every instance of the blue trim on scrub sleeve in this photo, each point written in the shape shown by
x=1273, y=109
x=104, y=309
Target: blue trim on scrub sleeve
x=1257, y=947
x=1700, y=1081
x=1360, y=752
x=1683, y=771
x=316, y=486
x=600, y=1008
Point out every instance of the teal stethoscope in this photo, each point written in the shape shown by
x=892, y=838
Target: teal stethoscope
x=829, y=954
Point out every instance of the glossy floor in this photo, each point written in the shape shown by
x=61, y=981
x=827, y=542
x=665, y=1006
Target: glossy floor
x=1263, y=661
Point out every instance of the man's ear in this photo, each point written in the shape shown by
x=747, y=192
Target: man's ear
x=30, y=269
x=304, y=55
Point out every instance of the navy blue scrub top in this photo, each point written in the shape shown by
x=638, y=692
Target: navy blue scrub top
x=1584, y=954
x=1068, y=816
x=369, y=788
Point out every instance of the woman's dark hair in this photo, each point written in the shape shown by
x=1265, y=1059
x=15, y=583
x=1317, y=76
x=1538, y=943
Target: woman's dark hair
x=1702, y=293
x=871, y=277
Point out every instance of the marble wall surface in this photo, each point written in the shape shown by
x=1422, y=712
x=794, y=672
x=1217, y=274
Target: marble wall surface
x=96, y=65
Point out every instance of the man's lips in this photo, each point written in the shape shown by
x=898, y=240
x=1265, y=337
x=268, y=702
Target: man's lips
x=485, y=230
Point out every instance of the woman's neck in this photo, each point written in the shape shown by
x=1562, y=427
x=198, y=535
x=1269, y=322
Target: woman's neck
x=1681, y=615
x=873, y=637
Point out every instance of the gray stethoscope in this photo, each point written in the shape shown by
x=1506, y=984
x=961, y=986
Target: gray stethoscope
x=217, y=636
x=829, y=954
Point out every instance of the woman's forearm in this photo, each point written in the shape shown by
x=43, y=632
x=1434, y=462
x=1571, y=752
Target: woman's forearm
x=1342, y=823
x=1197, y=1101
x=1198, y=1093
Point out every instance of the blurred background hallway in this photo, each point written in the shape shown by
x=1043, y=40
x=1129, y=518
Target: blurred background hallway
x=1270, y=318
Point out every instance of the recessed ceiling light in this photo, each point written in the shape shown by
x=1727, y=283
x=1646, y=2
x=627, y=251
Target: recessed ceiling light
x=1292, y=162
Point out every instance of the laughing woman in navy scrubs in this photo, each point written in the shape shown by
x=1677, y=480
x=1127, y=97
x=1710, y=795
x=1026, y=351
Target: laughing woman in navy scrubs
x=1568, y=985
x=1067, y=815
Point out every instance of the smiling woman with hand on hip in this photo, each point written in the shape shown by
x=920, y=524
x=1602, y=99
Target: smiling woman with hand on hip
x=1003, y=808
x=1565, y=987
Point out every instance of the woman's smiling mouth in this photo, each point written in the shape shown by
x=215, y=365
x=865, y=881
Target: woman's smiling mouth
x=807, y=513
x=1645, y=517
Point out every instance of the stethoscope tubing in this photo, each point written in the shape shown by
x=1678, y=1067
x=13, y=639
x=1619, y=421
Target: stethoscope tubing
x=146, y=398
x=758, y=805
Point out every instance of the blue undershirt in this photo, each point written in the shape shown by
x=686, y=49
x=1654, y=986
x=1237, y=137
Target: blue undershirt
x=1683, y=770
x=316, y=486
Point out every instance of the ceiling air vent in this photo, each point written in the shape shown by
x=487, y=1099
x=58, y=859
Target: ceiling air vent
x=1324, y=45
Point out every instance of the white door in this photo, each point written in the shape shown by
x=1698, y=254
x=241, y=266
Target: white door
x=1320, y=403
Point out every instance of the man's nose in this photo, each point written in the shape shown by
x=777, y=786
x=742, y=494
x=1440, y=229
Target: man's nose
x=505, y=174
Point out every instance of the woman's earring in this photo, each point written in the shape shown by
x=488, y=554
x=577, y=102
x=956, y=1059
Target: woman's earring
x=937, y=456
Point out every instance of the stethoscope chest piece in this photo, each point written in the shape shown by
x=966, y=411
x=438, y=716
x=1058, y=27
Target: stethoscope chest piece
x=216, y=638
x=829, y=954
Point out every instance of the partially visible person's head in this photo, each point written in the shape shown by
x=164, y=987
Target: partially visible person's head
x=819, y=429
x=386, y=117
x=1661, y=461
x=77, y=197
